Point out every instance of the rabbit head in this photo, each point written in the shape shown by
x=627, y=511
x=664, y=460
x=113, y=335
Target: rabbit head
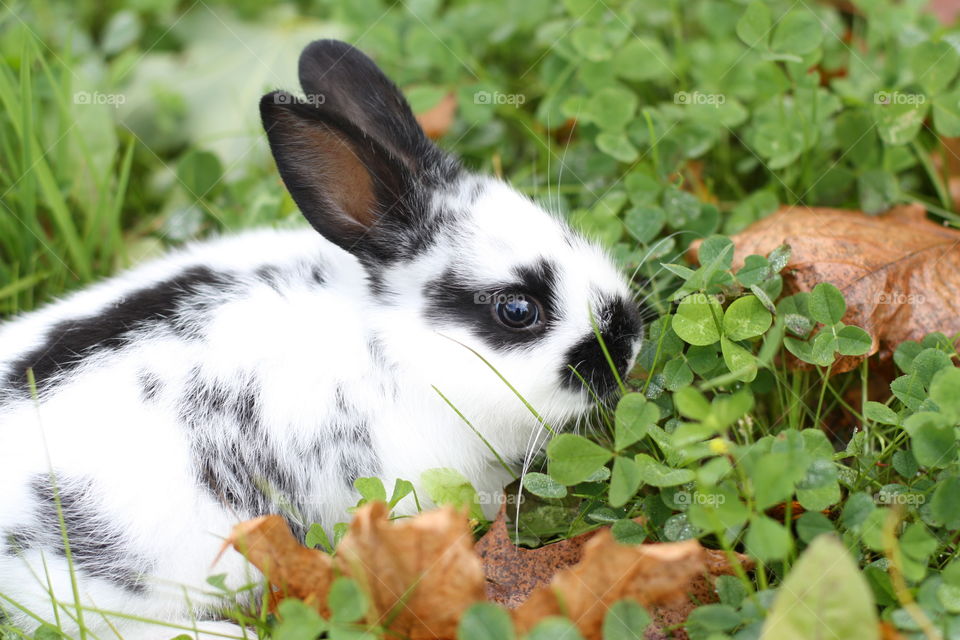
x=473, y=287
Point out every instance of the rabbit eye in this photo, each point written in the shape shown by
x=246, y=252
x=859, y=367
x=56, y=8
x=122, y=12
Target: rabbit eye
x=517, y=311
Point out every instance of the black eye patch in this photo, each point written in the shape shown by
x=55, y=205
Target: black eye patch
x=504, y=315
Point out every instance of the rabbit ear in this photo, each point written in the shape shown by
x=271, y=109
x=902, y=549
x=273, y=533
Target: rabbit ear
x=352, y=189
x=342, y=81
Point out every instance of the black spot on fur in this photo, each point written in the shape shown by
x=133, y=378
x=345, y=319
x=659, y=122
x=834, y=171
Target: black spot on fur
x=451, y=300
x=351, y=444
x=17, y=541
x=476, y=190
x=96, y=548
x=69, y=342
x=235, y=459
x=238, y=462
x=270, y=276
x=517, y=461
x=622, y=327
x=275, y=277
x=150, y=385
x=353, y=464
x=420, y=238
x=385, y=366
x=375, y=348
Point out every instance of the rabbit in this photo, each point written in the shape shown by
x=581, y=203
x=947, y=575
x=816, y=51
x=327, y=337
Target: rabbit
x=265, y=372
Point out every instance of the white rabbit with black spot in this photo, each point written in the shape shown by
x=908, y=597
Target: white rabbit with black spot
x=265, y=372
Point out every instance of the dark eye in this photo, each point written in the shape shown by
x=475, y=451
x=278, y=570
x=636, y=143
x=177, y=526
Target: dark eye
x=516, y=311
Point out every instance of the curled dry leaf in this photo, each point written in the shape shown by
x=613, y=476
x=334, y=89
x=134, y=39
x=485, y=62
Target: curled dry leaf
x=437, y=120
x=609, y=571
x=671, y=579
x=420, y=573
x=947, y=163
x=946, y=10
x=293, y=569
x=513, y=572
x=700, y=591
x=899, y=272
x=890, y=632
x=565, y=133
x=695, y=183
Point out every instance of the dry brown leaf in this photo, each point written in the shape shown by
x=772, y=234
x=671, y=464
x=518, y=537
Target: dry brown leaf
x=513, y=572
x=946, y=10
x=947, y=163
x=670, y=579
x=293, y=569
x=889, y=632
x=693, y=181
x=437, y=120
x=899, y=272
x=609, y=571
x=700, y=591
x=565, y=133
x=421, y=573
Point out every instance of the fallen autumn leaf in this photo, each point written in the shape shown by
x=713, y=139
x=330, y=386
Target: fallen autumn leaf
x=899, y=272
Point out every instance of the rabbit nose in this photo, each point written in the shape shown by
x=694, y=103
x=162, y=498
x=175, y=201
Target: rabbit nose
x=620, y=325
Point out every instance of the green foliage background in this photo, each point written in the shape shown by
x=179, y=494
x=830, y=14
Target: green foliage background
x=692, y=117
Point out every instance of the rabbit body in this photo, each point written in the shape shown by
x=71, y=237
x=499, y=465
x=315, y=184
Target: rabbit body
x=265, y=372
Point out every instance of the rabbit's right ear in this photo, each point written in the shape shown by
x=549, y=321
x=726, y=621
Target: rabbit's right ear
x=340, y=79
x=352, y=154
x=348, y=186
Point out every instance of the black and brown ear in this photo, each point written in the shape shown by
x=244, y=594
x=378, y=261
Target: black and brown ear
x=340, y=79
x=352, y=154
x=342, y=180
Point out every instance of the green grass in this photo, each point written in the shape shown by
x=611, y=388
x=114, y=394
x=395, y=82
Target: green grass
x=84, y=195
x=49, y=238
